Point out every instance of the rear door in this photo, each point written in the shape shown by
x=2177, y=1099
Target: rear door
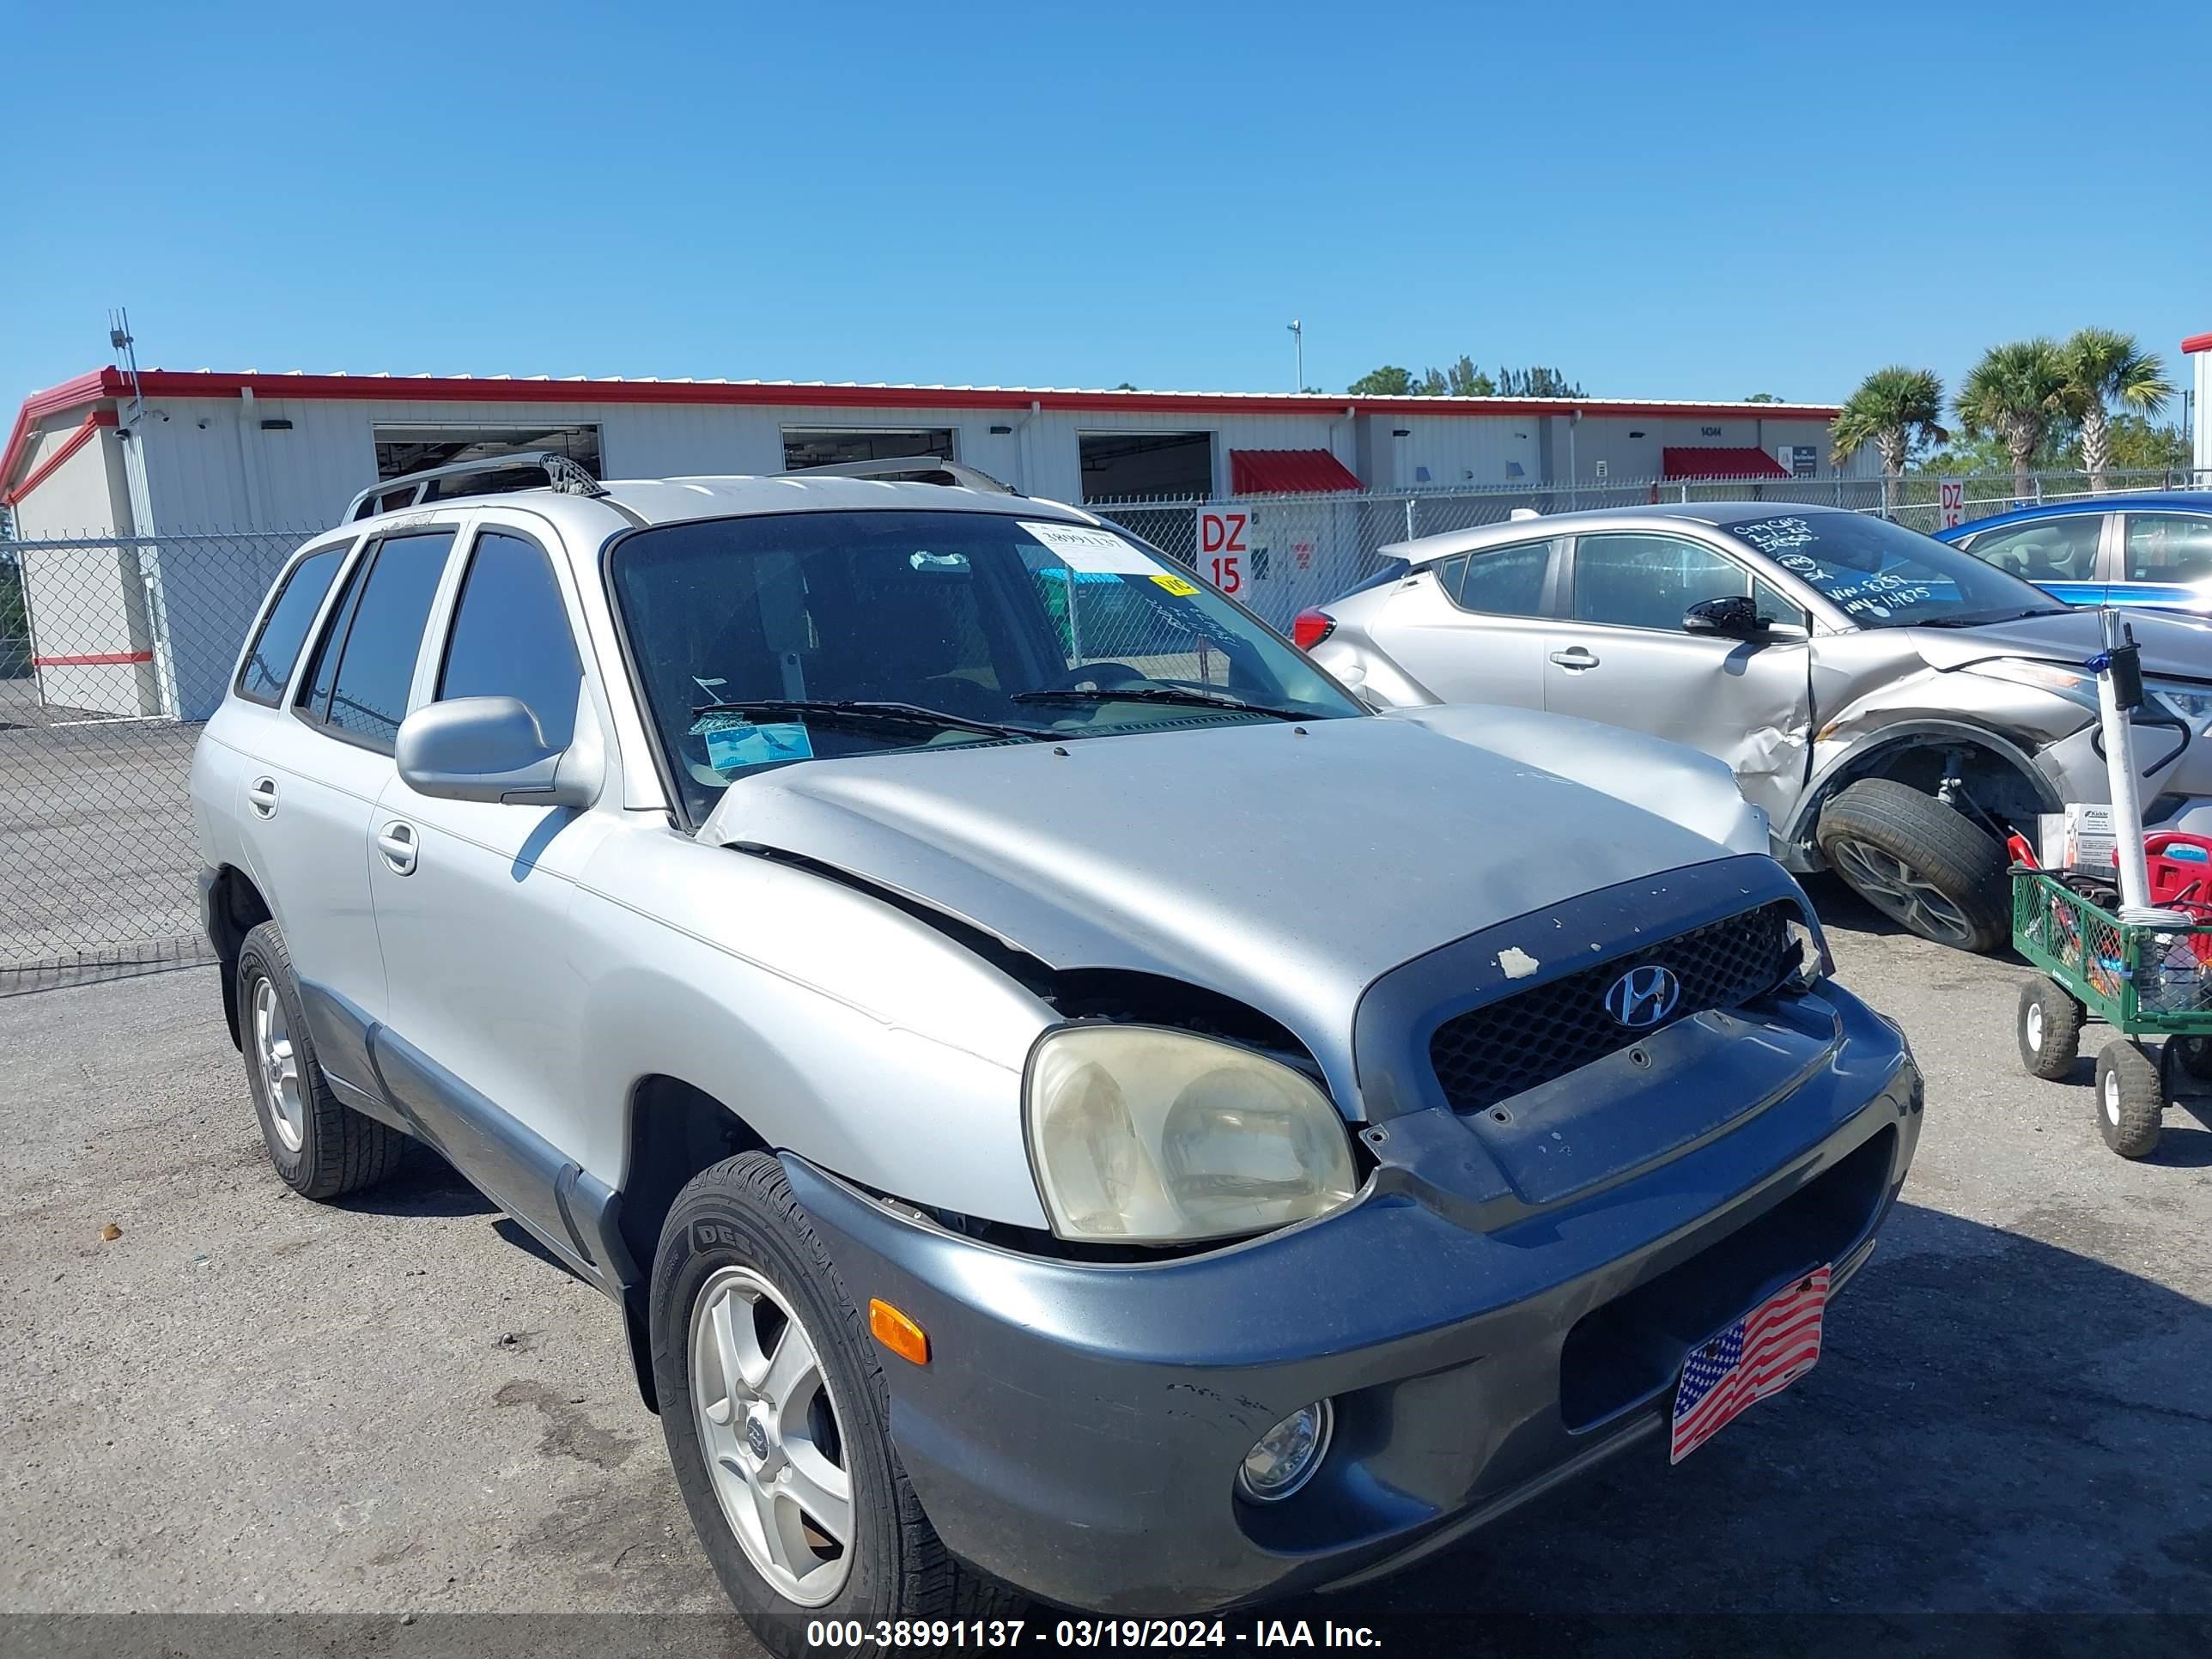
x=1472, y=628
x=2165, y=558
x=312, y=788
x=1622, y=657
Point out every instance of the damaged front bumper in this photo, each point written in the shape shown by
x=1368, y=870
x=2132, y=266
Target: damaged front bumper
x=1077, y=1430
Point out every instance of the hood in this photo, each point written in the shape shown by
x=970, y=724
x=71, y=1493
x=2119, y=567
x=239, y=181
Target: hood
x=1287, y=871
x=2180, y=647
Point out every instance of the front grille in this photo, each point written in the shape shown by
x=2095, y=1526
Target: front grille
x=1518, y=1042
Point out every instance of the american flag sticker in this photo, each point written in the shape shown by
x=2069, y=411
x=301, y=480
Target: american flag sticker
x=1761, y=1353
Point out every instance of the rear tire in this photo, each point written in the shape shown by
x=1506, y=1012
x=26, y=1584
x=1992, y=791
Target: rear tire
x=737, y=1240
x=2194, y=1055
x=2049, y=1029
x=1925, y=865
x=2130, y=1098
x=322, y=1148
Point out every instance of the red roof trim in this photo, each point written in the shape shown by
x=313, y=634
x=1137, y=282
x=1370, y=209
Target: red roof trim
x=2196, y=342
x=1720, y=463
x=1289, y=472
x=70, y=394
x=176, y=383
x=93, y=420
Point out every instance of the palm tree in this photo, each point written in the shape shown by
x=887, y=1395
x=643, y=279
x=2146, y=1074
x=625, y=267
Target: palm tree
x=1894, y=409
x=2014, y=393
x=2104, y=368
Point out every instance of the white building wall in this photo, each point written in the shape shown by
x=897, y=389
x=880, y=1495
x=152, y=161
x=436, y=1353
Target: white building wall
x=87, y=601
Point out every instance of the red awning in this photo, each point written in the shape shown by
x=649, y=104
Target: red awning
x=1724, y=463
x=1288, y=472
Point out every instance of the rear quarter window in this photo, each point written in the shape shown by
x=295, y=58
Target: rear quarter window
x=275, y=650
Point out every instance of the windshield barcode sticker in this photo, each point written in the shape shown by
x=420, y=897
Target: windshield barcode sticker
x=1097, y=551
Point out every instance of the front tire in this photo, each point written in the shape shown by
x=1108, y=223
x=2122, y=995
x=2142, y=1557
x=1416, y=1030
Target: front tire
x=2049, y=1028
x=2130, y=1098
x=1920, y=862
x=321, y=1148
x=776, y=1409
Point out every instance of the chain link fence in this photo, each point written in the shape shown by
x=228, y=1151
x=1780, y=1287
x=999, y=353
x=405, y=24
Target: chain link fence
x=113, y=652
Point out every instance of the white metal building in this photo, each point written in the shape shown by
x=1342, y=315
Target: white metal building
x=2197, y=348
x=171, y=454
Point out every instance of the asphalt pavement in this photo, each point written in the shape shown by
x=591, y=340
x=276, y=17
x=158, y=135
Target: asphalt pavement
x=394, y=1407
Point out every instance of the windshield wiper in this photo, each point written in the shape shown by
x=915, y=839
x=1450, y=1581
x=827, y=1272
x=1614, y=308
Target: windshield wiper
x=1983, y=618
x=862, y=712
x=1188, y=695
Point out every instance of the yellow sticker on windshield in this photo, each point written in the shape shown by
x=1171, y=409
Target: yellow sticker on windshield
x=1177, y=586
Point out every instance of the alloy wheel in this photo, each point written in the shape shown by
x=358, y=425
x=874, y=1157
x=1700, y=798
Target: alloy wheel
x=1896, y=889
x=279, y=1064
x=768, y=1425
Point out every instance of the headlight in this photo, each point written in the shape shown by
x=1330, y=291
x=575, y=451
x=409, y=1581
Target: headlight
x=2192, y=702
x=1144, y=1136
x=2075, y=684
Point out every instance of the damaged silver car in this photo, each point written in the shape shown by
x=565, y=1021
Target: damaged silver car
x=1896, y=707
x=1063, y=1097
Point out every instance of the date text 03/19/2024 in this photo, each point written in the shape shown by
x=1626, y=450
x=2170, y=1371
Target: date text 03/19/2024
x=831, y=1635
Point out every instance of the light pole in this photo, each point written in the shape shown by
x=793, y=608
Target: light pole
x=1298, y=343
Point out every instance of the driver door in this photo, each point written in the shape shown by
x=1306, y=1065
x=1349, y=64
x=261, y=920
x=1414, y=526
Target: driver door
x=1624, y=659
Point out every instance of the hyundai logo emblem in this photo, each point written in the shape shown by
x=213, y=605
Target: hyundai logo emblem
x=1644, y=996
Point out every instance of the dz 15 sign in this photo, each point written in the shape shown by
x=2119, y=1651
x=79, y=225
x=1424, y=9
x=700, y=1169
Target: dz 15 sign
x=1224, y=535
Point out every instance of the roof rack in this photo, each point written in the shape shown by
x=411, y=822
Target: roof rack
x=907, y=469
x=562, y=474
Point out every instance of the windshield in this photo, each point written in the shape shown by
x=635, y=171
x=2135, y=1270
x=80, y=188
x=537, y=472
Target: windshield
x=769, y=640
x=1883, y=575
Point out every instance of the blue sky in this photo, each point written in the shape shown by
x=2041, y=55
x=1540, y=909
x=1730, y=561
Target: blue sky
x=1663, y=202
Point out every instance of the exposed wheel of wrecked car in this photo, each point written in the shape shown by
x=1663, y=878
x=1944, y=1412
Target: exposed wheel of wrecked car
x=2193, y=1054
x=2130, y=1098
x=1918, y=862
x=775, y=1409
x=321, y=1147
x=2049, y=1029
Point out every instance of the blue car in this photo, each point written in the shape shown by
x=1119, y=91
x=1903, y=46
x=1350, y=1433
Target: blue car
x=2110, y=550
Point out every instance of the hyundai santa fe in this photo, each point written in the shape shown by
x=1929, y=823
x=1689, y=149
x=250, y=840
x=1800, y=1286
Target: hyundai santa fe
x=1066, y=1100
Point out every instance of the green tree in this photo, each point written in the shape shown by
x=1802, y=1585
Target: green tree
x=1897, y=409
x=1536, y=383
x=1387, y=381
x=1433, y=384
x=1762, y=398
x=2014, y=393
x=2105, y=368
x=2133, y=444
x=1464, y=379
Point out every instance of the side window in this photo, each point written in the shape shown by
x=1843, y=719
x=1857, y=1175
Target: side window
x=2168, y=546
x=1506, y=583
x=2044, y=550
x=275, y=648
x=510, y=636
x=1648, y=581
x=368, y=697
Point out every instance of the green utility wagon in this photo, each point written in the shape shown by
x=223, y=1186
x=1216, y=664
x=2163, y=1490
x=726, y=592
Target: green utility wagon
x=2143, y=981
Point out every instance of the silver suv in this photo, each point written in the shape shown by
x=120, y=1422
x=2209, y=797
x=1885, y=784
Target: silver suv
x=1896, y=707
x=1063, y=1097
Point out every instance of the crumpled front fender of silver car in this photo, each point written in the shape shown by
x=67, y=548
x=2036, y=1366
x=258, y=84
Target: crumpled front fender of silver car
x=1684, y=785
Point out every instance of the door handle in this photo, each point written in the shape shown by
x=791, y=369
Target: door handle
x=396, y=841
x=261, y=796
x=1576, y=657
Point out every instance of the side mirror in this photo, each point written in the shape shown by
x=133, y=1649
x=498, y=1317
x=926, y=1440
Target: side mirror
x=1734, y=617
x=490, y=749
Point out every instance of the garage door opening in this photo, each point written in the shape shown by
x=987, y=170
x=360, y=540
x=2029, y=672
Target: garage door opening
x=1122, y=466
x=403, y=449
x=804, y=446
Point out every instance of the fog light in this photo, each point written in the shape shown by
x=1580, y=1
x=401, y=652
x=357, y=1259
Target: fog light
x=1284, y=1458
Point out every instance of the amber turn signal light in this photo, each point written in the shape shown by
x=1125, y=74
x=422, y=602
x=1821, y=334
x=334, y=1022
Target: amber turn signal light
x=898, y=1333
